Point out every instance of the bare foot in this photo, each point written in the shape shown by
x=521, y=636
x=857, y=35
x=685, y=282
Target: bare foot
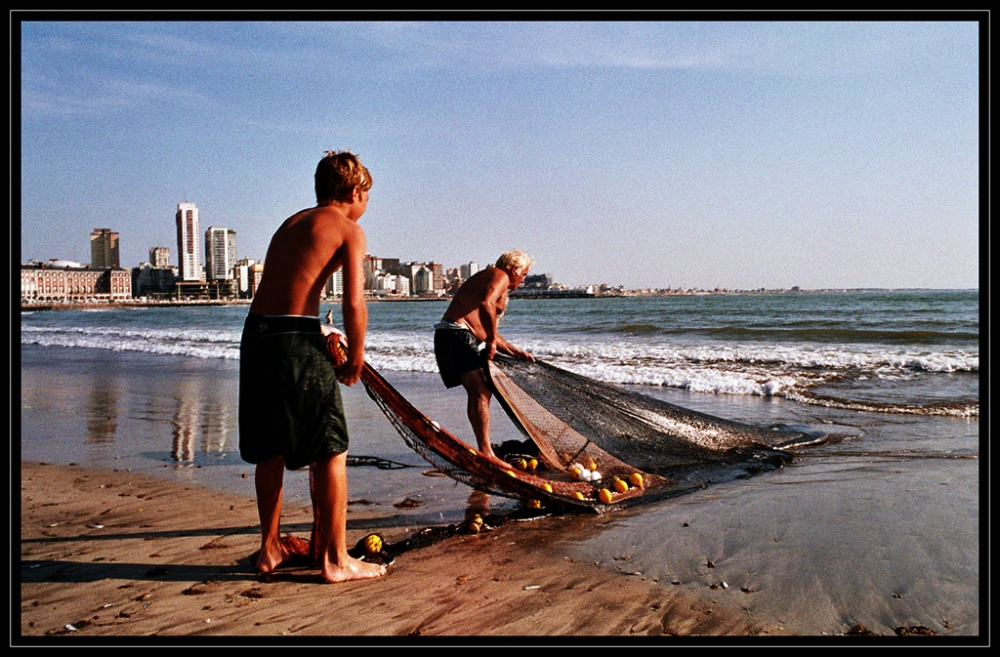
x=289, y=551
x=269, y=560
x=496, y=459
x=350, y=570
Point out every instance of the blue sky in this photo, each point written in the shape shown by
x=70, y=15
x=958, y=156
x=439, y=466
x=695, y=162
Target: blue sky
x=645, y=153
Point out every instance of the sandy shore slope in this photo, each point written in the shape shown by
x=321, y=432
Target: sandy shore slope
x=107, y=554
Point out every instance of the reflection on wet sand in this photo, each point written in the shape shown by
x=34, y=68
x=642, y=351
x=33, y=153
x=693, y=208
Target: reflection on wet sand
x=198, y=414
x=102, y=412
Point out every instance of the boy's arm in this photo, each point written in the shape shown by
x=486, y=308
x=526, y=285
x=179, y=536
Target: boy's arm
x=353, y=307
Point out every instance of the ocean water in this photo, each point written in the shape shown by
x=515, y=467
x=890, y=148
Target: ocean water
x=913, y=352
x=879, y=526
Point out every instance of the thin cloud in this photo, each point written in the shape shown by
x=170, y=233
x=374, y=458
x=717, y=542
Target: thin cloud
x=89, y=95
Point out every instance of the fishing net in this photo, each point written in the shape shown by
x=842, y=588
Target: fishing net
x=599, y=446
x=450, y=455
x=568, y=415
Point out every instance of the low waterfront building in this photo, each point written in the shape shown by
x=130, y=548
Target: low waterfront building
x=151, y=281
x=62, y=281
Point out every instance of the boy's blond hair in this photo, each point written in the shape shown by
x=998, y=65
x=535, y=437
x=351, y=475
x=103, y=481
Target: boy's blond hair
x=338, y=174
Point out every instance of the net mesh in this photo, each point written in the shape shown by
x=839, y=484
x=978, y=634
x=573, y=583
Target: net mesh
x=549, y=489
x=567, y=415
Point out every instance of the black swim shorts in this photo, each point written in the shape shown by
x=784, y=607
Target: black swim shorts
x=290, y=401
x=457, y=352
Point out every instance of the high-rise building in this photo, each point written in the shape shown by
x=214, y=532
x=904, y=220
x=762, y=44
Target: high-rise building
x=422, y=281
x=335, y=285
x=104, y=252
x=220, y=253
x=188, y=242
x=467, y=270
x=159, y=257
x=372, y=264
x=437, y=274
x=247, y=272
x=372, y=268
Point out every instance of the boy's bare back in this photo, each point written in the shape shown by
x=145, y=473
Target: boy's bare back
x=304, y=252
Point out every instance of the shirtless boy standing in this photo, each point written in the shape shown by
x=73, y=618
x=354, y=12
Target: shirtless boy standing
x=291, y=413
x=468, y=331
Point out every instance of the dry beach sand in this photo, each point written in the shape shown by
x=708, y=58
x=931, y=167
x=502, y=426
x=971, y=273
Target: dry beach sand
x=106, y=554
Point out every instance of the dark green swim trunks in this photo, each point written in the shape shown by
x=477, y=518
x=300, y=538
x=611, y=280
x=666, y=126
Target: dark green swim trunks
x=290, y=401
x=457, y=351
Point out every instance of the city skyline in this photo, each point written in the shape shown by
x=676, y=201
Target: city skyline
x=658, y=153
x=167, y=255
x=221, y=263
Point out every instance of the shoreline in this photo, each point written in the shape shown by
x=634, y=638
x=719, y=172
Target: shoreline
x=519, y=294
